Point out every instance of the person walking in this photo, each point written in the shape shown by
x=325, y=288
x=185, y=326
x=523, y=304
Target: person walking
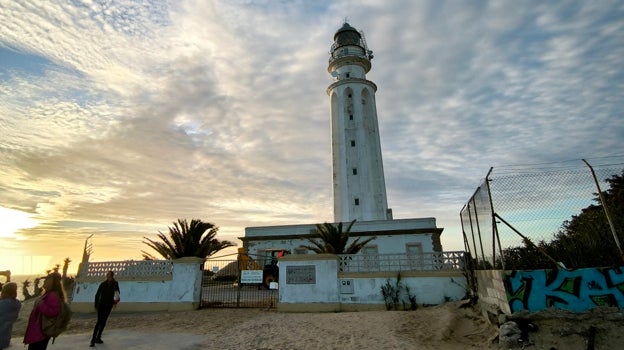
x=9, y=311
x=106, y=296
x=48, y=304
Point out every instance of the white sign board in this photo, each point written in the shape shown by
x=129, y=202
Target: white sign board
x=251, y=276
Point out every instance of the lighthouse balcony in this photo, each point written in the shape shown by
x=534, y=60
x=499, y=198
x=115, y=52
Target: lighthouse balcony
x=351, y=50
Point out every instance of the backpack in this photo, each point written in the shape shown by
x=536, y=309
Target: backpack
x=54, y=326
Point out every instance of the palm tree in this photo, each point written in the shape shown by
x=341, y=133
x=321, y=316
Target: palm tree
x=25, y=291
x=187, y=240
x=334, y=240
x=36, y=288
x=65, y=267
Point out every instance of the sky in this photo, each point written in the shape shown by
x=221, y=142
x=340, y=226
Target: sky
x=119, y=117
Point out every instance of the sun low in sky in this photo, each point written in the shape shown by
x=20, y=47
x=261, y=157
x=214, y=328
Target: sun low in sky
x=118, y=118
x=14, y=220
x=19, y=262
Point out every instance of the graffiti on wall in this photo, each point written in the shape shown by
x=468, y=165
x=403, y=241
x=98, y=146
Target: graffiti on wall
x=575, y=290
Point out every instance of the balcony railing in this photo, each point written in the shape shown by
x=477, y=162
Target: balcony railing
x=129, y=269
x=350, y=51
x=436, y=261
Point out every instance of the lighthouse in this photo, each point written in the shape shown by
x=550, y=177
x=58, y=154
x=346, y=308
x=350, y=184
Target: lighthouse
x=359, y=188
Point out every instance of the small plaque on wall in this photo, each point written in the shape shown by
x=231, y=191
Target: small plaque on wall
x=305, y=274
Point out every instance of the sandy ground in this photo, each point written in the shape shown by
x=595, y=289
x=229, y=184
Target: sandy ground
x=447, y=326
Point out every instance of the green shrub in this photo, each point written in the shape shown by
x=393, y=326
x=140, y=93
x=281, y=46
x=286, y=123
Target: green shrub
x=392, y=295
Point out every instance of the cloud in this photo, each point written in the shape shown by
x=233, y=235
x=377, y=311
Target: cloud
x=139, y=113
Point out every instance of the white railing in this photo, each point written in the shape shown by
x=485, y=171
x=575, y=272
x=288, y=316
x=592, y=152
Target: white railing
x=129, y=269
x=436, y=261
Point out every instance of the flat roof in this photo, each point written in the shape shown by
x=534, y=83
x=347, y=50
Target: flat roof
x=420, y=224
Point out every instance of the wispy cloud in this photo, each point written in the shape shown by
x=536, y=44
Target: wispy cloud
x=125, y=116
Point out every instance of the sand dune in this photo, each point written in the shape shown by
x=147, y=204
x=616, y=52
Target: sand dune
x=447, y=326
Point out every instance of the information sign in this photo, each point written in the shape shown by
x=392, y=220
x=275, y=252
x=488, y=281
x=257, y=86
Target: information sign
x=251, y=276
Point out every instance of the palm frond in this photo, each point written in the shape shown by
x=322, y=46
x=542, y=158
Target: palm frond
x=332, y=239
x=187, y=239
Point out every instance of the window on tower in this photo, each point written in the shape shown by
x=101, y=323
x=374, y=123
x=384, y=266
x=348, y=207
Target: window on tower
x=354, y=171
x=352, y=143
x=357, y=201
x=349, y=96
x=348, y=75
x=350, y=116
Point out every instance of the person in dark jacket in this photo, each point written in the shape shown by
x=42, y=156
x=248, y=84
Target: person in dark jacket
x=9, y=311
x=105, y=298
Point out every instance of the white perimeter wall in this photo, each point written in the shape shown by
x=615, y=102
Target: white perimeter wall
x=335, y=291
x=431, y=290
x=323, y=290
x=180, y=292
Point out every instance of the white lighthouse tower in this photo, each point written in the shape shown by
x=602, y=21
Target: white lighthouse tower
x=358, y=177
x=359, y=187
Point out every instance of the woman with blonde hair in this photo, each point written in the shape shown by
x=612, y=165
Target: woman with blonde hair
x=48, y=304
x=9, y=310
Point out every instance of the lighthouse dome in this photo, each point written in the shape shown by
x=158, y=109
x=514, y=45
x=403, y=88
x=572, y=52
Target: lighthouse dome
x=347, y=35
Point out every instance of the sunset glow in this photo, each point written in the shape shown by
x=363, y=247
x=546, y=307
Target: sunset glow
x=13, y=221
x=119, y=117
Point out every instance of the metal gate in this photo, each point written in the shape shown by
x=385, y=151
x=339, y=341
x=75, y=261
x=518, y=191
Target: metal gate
x=222, y=287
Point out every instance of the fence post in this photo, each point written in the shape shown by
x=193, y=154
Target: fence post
x=495, y=236
x=606, y=211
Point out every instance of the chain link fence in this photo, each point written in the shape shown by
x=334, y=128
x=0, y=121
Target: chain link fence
x=524, y=205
